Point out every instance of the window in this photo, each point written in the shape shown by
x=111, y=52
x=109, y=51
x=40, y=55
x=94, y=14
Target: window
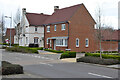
x=61, y=42
x=95, y=26
x=47, y=41
x=86, y=42
x=36, y=40
x=35, y=28
x=63, y=26
x=55, y=28
x=48, y=28
x=77, y=42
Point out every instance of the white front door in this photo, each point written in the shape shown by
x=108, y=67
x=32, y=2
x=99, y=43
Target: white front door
x=54, y=44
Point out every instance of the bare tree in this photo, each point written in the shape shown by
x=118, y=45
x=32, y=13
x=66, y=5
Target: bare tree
x=98, y=28
x=17, y=20
x=2, y=26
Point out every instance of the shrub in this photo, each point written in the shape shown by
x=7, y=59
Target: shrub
x=8, y=68
x=106, y=56
x=68, y=54
x=64, y=55
x=23, y=49
x=33, y=45
x=55, y=51
x=97, y=60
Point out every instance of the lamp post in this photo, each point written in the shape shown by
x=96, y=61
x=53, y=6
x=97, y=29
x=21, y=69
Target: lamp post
x=10, y=27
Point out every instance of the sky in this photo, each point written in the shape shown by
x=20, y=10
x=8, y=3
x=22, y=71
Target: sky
x=109, y=8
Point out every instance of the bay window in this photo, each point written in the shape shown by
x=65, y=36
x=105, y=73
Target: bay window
x=61, y=42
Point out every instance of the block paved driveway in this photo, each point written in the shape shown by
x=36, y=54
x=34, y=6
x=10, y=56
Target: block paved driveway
x=49, y=66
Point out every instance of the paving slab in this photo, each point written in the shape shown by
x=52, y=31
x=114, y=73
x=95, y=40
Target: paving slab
x=69, y=59
x=45, y=52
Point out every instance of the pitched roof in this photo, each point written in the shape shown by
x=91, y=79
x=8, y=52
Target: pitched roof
x=36, y=19
x=62, y=15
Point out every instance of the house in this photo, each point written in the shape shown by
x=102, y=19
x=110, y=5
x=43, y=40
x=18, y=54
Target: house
x=7, y=35
x=109, y=40
x=32, y=29
x=70, y=28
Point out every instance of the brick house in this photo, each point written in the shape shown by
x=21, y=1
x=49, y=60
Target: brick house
x=70, y=28
x=7, y=34
x=109, y=40
x=32, y=29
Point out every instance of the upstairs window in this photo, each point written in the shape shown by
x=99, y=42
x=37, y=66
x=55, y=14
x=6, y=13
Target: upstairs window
x=86, y=42
x=48, y=28
x=35, y=28
x=77, y=42
x=55, y=28
x=63, y=27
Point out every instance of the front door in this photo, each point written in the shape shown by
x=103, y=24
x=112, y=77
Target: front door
x=54, y=44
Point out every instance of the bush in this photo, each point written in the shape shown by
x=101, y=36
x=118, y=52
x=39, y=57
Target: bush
x=33, y=45
x=108, y=52
x=106, y=56
x=8, y=68
x=68, y=54
x=55, y=51
x=23, y=49
x=97, y=60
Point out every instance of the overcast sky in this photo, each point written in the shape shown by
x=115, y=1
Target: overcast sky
x=109, y=7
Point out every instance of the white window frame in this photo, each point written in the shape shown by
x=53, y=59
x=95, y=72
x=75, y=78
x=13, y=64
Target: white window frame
x=55, y=27
x=47, y=41
x=76, y=42
x=95, y=26
x=86, y=42
x=61, y=42
x=48, y=28
x=36, y=42
x=63, y=27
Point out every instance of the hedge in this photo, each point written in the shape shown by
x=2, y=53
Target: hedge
x=55, y=51
x=68, y=54
x=97, y=60
x=108, y=52
x=24, y=49
x=106, y=56
x=8, y=68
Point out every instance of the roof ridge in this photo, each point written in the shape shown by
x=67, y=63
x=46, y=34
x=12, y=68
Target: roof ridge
x=71, y=6
x=38, y=13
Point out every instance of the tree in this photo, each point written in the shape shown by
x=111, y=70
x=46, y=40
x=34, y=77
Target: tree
x=99, y=23
x=2, y=26
x=17, y=20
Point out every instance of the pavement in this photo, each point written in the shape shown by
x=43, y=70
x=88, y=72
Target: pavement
x=50, y=66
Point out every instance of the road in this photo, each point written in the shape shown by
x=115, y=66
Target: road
x=49, y=66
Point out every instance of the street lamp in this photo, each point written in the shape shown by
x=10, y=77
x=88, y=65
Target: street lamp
x=10, y=27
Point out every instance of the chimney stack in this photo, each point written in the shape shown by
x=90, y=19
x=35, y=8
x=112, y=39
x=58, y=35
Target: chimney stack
x=24, y=10
x=56, y=8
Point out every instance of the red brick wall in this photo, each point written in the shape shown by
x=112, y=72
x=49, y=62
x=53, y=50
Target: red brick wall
x=57, y=33
x=82, y=27
x=108, y=46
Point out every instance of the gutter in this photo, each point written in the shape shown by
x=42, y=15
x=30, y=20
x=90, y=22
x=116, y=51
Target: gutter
x=68, y=34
